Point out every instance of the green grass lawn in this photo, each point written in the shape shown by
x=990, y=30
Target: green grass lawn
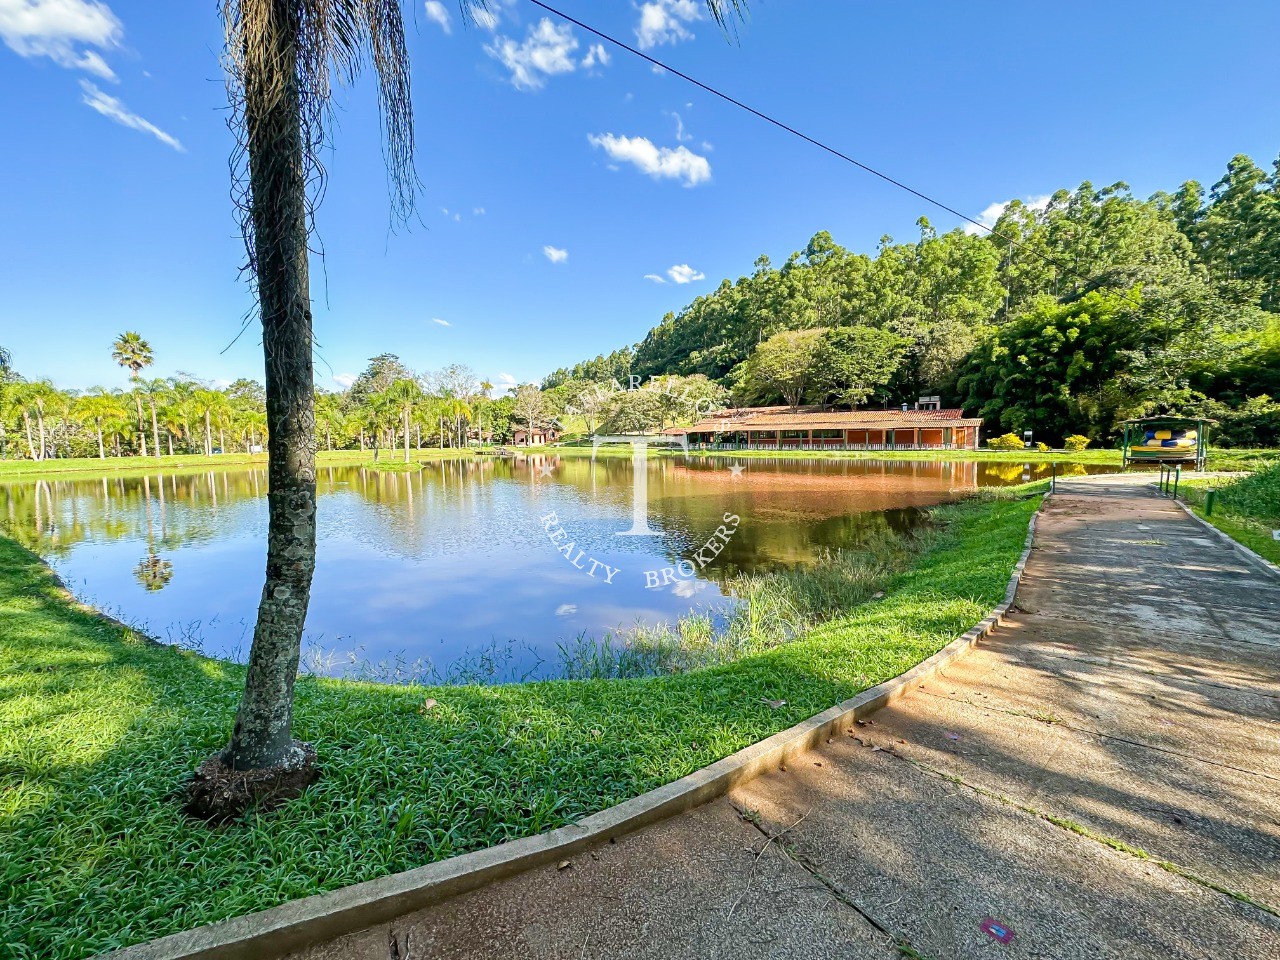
x=1245, y=508
x=79, y=467
x=98, y=730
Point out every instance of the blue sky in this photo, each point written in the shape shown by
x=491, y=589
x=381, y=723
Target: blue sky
x=570, y=179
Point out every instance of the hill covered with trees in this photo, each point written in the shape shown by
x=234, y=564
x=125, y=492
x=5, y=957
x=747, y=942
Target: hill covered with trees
x=1064, y=319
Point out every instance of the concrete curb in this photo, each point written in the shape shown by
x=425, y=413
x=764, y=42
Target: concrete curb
x=292, y=926
x=1235, y=544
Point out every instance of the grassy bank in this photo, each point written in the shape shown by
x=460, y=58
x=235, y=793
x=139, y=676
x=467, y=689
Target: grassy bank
x=1245, y=508
x=137, y=466
x=81, y=467
x=98, y=730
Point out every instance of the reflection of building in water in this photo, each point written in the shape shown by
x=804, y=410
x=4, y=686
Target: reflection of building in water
x=813, y=428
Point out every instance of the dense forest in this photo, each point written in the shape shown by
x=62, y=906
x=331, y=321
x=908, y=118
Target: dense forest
x=1064, y=319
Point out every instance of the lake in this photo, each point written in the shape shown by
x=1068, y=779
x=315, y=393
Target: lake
x=475, y=568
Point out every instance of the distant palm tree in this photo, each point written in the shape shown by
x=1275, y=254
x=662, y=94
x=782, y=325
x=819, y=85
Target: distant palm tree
x=405, y=394
x=97, y=408
x=131, y=351
x=212, y=405
x=157, y=392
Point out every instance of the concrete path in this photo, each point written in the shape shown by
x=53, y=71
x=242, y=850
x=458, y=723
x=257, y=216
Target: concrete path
x=1100, y=779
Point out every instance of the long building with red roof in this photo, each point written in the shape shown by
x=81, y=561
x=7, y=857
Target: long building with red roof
x=817, y=428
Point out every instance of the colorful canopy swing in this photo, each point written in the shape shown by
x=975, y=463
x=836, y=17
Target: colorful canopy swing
x=1166, y=440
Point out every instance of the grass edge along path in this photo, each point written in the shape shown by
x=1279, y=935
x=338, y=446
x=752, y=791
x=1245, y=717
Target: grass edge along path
x=98, y=729
x=1246, y=508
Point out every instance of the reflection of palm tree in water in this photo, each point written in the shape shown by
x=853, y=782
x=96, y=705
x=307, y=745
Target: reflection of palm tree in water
x=152, y=572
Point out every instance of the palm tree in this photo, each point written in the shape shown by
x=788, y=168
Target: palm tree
x=282, y=57
x=95, y=408
x=131, y=351
x=211, y=405
x=405, y=394
x=157, y=392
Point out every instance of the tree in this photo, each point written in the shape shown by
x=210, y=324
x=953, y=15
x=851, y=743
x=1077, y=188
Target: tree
x=282, y=57
x=782, y=366
x=131, y=351
x=530, y=408
x=852, y=363
x=98, y=408
x=1081, y=367
x=405, y=394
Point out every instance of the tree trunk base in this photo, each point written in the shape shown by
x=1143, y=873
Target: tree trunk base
x=218, y=794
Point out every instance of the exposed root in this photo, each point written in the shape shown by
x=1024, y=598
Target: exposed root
x=218, y=794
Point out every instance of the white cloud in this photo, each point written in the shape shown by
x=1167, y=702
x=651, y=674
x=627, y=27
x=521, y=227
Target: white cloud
x=478, y=211
x=555, y=254
x=681, y=136
x=506, y=382
x=683, y=273
x=485, y=19
x=344, y=380
x=679, y=163
x=61, y=30
x=596, y=55
x=443, y=323
x=566, y=610
x=113, y=109
x=437, y=13
x=654, y=277
x=991, y=214
x=664, y=21
x=547, y=50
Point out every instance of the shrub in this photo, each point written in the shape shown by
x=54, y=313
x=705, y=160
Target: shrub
x=1010, y=441
x=1042, y=446
x=1075, y=443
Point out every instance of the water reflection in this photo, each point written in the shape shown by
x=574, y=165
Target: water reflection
x=457, y=557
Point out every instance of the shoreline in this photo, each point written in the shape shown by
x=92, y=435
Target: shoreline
x=100, y=731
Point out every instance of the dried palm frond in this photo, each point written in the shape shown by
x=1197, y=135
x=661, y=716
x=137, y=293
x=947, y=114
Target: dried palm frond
x=335, y=39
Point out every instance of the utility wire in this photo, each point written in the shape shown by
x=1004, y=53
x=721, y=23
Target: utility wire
x=1012, y=241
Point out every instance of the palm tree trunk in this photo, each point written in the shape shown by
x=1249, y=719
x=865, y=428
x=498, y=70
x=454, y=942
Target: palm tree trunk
x=263, y=734
x=142, y=429
x=31, y=445
x=155, y=427
x=171, y=443
x=406, y=434
x=222, y=439
x=40, y=424
x=102, y=451
x=208, y=435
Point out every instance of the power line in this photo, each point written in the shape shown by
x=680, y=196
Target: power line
x=1012, y=241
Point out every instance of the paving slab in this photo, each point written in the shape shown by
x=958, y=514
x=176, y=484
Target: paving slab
x=704, y=885
x=932, y=860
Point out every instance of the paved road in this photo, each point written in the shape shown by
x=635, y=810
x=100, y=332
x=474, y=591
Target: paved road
x=1100, y=779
